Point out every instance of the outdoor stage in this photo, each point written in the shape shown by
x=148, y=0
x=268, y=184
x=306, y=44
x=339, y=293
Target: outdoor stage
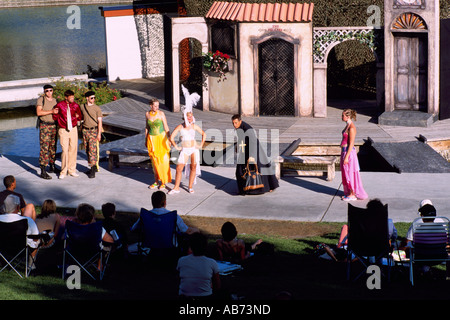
x=297, y=198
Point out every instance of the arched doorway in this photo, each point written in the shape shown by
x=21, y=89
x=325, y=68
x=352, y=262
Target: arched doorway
x=276, y=78
x=324, y=40
x=186, y=28
x=351, y=76
x=191, y=66
x=276, y=74
x=410, y=63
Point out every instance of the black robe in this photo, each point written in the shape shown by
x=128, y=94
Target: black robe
x=248, y=146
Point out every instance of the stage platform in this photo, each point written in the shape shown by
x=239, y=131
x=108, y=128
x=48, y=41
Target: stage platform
x=312, y=199
x=319, y=136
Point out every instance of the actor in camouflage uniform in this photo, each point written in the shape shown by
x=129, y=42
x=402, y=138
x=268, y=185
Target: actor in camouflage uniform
x=92, y=131
x=47, y=131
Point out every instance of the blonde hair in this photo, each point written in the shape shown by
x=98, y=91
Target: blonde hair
x=350, y=113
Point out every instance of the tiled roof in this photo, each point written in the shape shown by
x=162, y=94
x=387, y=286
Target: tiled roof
x=261, y=12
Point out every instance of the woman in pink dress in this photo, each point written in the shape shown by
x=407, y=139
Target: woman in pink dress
x=351, y=180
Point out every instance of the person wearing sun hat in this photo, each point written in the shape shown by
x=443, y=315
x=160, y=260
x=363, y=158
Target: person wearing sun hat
x=426, y=209
x=427, y=212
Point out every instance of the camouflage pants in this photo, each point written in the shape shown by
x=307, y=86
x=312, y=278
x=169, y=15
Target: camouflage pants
x=91, y=143
x=47, y=141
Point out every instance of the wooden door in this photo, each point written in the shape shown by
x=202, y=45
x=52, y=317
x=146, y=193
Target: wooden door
x=410, y=77
x=276, y=78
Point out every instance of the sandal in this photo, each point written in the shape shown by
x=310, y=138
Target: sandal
x=173, y=191
x=191, y=190
x=153, y=186
x=347, y=198
x=161, y=187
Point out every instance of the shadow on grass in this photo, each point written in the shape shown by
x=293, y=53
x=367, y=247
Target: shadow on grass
x=292, y=267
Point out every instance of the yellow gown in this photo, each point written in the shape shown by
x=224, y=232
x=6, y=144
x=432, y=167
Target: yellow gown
x=159, y=150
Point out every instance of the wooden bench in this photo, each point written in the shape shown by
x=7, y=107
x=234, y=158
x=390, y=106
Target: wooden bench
x=307, y=166
x=291, y=165
x=213, y=149
x=114, y=160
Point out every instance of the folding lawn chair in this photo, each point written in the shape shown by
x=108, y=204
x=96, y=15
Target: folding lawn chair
x=430, y=240
x=159, y=234
x=368, y=238
x=83, y=245
x=13, y=246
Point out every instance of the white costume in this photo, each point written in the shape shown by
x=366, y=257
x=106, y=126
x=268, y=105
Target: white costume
x=189, y=135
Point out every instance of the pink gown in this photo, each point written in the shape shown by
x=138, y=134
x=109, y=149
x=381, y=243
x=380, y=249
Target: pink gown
x=351, y=180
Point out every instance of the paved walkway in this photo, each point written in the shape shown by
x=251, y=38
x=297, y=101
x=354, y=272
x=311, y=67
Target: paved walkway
x=298, y=198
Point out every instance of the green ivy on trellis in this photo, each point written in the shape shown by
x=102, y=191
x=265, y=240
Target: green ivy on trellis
x=368, y=38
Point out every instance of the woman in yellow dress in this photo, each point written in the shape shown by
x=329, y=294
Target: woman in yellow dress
x=158, y=145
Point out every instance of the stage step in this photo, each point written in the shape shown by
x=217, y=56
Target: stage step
x=411, y=156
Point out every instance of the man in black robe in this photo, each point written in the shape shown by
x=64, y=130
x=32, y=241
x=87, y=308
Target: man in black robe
x=248, y=146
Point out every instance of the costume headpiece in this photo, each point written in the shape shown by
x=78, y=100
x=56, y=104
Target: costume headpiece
x=191, y=101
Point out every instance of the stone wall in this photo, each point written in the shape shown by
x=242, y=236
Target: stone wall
x=150, y=32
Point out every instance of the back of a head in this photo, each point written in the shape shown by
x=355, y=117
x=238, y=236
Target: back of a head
x=108, y=210
x=11, y=204
x=48, y=207
x=8, y=181
x=375, y=205
x=85, y=213
x=198, y=244
x=228, y=231
x=158, y=199
x=428, y=211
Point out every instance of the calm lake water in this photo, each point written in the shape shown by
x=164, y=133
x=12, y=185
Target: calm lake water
x=36, y=42
x=21, y=142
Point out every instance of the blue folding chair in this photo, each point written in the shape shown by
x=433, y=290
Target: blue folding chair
x=159, y=234
x=83, y=245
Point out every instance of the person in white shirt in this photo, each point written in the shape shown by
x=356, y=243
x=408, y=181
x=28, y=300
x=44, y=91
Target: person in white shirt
x=199, y=275
x=11, y=209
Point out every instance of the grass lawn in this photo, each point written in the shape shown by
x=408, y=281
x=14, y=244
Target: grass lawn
x=292, y=267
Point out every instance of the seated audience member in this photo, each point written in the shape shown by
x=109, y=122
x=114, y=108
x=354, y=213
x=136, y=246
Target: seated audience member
x=85, y=214
x=26, y=210
x=231, y=249
x=339, y=252
x=376, y=204
x=427, y=211
x=112, y=226
x=159, y=207
x=48, y=220
x=10, y=208
x=198, y=274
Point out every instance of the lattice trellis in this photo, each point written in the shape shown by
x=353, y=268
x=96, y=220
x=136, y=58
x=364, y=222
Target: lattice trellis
x=327, y=37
